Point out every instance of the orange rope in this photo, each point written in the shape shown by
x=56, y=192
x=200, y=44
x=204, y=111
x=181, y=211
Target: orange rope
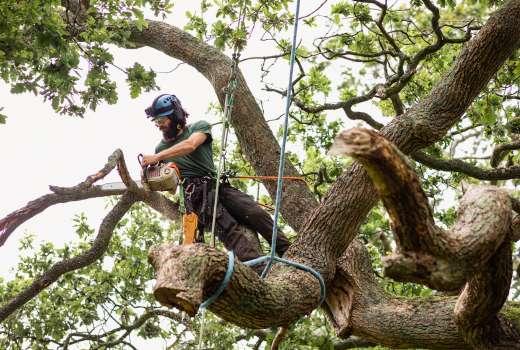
x=298, y=178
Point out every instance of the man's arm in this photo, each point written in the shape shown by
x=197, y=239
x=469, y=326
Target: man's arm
x=181, y=149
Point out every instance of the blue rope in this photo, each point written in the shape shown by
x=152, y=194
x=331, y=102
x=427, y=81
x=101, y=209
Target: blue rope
x=272, y=257
x=281, y=166
x=294, y=264
x=223, y=285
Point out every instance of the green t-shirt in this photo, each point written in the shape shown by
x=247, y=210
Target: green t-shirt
x=197, y=163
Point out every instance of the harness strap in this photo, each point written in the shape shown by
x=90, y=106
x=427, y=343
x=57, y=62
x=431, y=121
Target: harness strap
x=182, y=207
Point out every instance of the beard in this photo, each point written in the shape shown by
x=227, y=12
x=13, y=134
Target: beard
x=171, y=132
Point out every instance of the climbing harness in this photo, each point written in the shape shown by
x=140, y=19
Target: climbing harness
x=227, y=111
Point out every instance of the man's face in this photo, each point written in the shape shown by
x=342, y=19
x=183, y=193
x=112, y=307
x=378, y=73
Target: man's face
x=167, y=127
x=163, y=123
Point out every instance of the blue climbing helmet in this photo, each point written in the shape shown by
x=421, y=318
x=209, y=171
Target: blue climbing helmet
x=167, y=105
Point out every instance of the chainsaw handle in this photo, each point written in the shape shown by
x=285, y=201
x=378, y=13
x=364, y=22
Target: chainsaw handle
x=140, y=158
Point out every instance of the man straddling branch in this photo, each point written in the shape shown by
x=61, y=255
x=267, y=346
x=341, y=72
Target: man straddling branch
x=189, y=147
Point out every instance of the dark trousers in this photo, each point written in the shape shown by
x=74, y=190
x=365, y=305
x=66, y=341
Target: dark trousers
x=235, y=211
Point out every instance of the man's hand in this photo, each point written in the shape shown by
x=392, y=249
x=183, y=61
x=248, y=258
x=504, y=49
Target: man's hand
x=150, y=159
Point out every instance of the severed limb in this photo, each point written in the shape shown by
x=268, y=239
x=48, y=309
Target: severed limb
x=475, y=253
x=188, y=275
x=441, y=259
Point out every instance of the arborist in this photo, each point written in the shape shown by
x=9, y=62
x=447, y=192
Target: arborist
x=189, y=147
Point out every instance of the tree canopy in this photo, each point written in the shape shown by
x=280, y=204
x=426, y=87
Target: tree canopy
x=435, y=88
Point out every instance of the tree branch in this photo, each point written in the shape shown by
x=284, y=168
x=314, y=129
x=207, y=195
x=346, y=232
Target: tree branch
x=478, y=306
x=83, y=190
x=501, y=151
x=97, y=249
x=459, y=166
x=354, y=343
x=86, y=190
x=126, y=328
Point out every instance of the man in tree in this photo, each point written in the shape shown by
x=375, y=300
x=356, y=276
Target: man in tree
x=189, y=147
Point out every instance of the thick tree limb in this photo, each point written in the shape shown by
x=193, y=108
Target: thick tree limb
x=476, y=250
x=188, y=275
x=367, y=311
x=426, y=253
x=476, y=311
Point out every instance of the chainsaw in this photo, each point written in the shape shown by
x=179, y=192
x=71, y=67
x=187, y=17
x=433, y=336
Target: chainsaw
x=155, y=177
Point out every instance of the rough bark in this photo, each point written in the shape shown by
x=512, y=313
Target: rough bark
x=426, y=253
x=374, y=315
x=188, y=275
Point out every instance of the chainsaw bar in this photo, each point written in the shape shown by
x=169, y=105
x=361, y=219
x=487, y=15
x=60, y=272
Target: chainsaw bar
x=118, y=185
